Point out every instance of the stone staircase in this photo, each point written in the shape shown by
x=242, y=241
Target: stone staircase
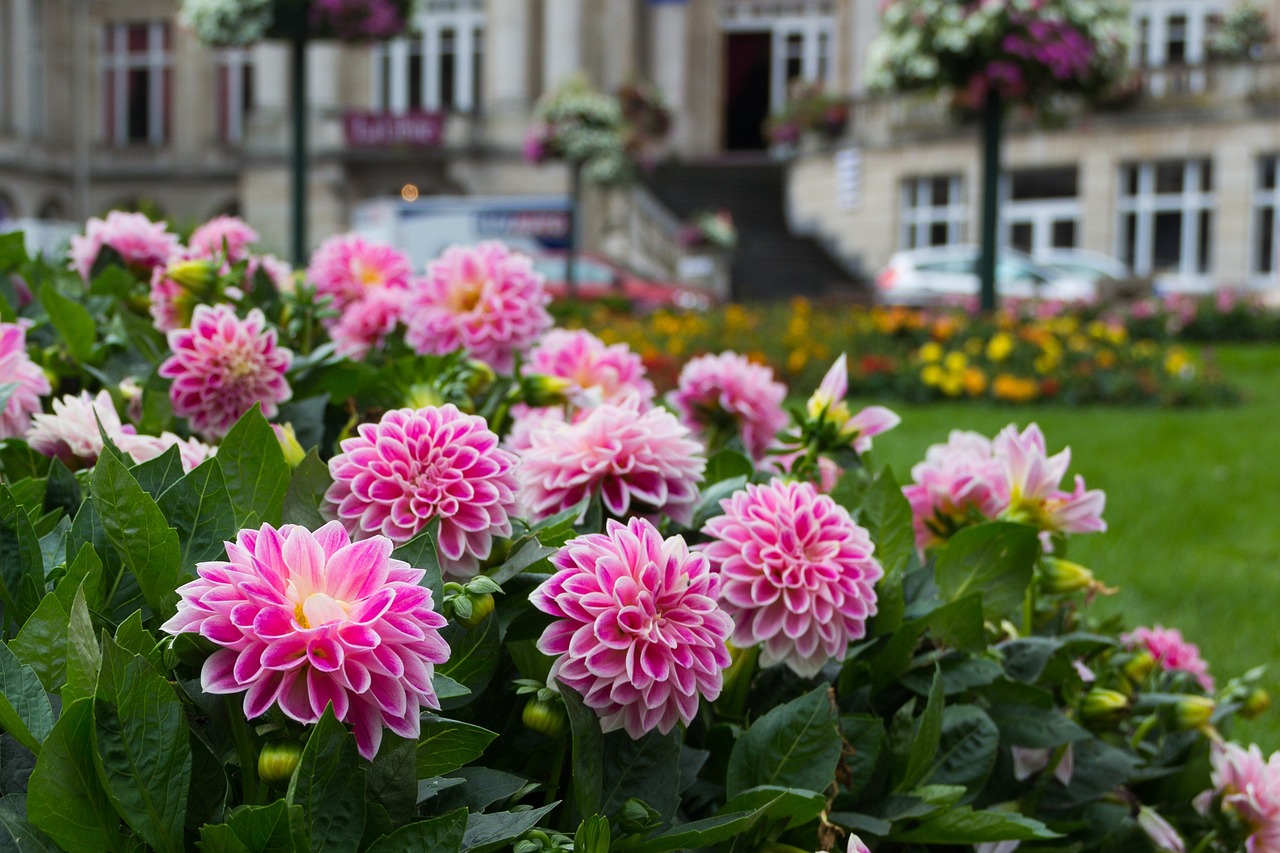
x=769, y=262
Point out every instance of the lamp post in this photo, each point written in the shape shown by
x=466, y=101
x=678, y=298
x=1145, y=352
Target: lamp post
x=992, y=120
x=298, y=163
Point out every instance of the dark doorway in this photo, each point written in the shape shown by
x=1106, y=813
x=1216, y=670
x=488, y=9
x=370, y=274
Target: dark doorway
x=746, y=89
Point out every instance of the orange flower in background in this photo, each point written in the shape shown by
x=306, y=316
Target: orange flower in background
x=1015, y=389
x=975, y=382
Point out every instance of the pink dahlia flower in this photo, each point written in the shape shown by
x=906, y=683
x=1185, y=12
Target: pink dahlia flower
x=397, y=475
x=225, y=237
x=222, y=366
x=639, y=463
x=347, y=267
x=307, y=619
x=141, y=243
x=72, y=433
x=598, y=373
x=957, y=483
x=727, y=392
x=797, y=574
x=142, y=448
x=638, y=631
x=1171, y=651
x=483, y=299
x=17, y=367
x=365, y=323
x=827, y=407
x=525, y=421
x=1248, y=785
x=1033, y=477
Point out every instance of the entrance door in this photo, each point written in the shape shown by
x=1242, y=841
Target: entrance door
x=748, y=60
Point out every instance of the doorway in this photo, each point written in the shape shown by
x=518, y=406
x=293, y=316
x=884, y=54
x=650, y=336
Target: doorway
x=748, y=62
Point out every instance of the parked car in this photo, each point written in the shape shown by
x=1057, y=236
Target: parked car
x=924, y=276
x=1082, y=263
x=600, y=278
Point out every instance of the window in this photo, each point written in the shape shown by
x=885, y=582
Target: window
x=440, y=66
x=1172, y=33
x=1166, y=217
x=932, y=212
x=138, y=77
x=234, y=93
x=1043, y=209
x=1265, y=261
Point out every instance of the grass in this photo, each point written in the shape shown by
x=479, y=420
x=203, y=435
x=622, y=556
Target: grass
x=1193, y=508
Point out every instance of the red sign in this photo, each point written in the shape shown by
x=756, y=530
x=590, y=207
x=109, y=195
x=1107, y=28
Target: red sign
x=418, y=129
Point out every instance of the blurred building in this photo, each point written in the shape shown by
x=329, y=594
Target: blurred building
x=109, y=103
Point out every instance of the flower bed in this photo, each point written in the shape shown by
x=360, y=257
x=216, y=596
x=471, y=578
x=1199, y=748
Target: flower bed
x=917, y=355
x=359, y=559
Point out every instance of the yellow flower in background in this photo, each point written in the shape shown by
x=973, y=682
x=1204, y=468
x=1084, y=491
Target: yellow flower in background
x=932, y=375
x=955, y=361
x=1046, y=363
x=1177, y=362
x=1015, y=389
x=999, y=347
x=1078, y=343
x=974, y=346
x=953, y=384
x=931, y=351
x=796, y=360
x=1106, y=358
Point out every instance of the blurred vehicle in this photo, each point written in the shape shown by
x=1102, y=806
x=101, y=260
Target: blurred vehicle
x=600, y=278
x=1082, y=263
x=925, y=276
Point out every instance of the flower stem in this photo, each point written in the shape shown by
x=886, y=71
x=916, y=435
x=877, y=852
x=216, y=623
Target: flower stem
x=251, y=786
x=737, y=683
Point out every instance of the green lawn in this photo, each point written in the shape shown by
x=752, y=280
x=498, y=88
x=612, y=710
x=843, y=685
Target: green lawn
x=1193, y=507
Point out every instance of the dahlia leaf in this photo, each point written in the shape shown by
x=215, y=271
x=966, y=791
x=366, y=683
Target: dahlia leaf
x=200, y=508
x=143, y=757
x=1037, y=728
x=391, y=779
x=13, y=251
x=474, y=653
x=727, y=465
x=966, y=749
x=442, y=834
x=796, y=805
x=84, y=658
x=588, y=753
x=21, y=563
x=137, y=531
x=158, y=474
x=922, y=745
x=645, y=768
x=480, y=787
x=329, y=785
x=421, y=553
x=22, y=836
x=488, y=831
x=65, y=800
x=25, y=712
x=709, y=502
x=887, y=516
x=866, y=739
x=445, y=745
x=253, y=465
x=62, y=490
x=796, y=745
x=73, y=322
x=963, y=825
x=531, y=552
x=42, y=643
x=263, y=829
x=306, y=490
x=995, y=559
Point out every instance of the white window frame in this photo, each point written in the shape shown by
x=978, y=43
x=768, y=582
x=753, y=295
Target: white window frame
x=1158, y=15
x=1147, y=203
x=812, y=20
x=467, y=20
x=916, y=221
x=1040, y=213
x=238, y=64
x=1263, y=199
x=156, y=61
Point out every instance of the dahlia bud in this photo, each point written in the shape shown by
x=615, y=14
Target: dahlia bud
x=1193, y=712
x=1255, y=704
x=1139, y=666
x=197, y=275
x=636, y=816
x=546, y=717
x=289, y=445
x=472, y=603
x=1062, y=577
x=480, y=376
x=542, y=390
x=278, y=759
x=422, y=395
x=593, y=835
x=1104, y=707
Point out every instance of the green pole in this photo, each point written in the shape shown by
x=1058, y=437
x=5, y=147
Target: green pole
x=575, y=229
x=298, y=83
x=992, y=114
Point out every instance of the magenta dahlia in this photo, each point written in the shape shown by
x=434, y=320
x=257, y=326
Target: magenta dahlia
x=366, y=323
x=958, y=482
x=18, y=368
x=639, y=463
x=598, y=372
x=796, y=573
x=224, y=237
x=222, y=366
x=483, y=299
x=413, y=466
x=728, y=392
x=307, y=619
x=72, y=433
x=142, y=244
x=347, y=267
x=1171, y=651
x=638, y=631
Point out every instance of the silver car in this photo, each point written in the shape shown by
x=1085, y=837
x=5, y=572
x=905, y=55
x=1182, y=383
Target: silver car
x=925, y=276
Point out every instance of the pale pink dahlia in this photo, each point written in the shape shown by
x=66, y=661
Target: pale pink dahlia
x=639, y=463
x=71, y=433
x=483, y=299
x=1033, y=477
x=727, y=392
x=365, y=323
x=142, y=448
x=1248, y=785
x=18, y=368
x=224, y=237
x=1171, y=651
x=957, y=483
x=347, y=267
x=598, y=372
x=141, y=243
x=796, y=572
x=525, y=420
x=828, y=411
x=638, y=631
x=307, y=619
x=397, y=475
x=222, y=366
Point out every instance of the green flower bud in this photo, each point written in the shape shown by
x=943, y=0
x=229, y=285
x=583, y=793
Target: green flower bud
x=593, y=835
x=289, y=445
x=422, y=395
x=480, y=377
x=1061, y=577
x=1139, y=666
x=1193, y=712
x=478, y=606
x=541, y=390
x=1255, y=704
x=636, y=816
x=198, y=276
x=546, y=717
x=278, y=759
x=1104, y=707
